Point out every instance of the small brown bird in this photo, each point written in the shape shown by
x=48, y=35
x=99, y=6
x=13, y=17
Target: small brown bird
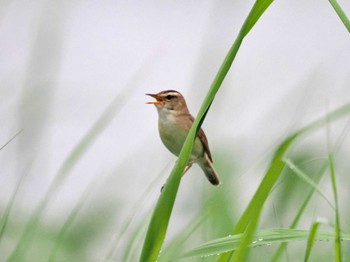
x=174, y=122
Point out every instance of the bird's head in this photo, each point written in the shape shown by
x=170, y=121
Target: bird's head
x=169, y=100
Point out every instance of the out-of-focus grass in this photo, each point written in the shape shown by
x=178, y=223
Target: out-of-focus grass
x=72, y=159
x=63, y=172
x=60, y=240
x=134, y=236
x=78, y=151
x=6, y=213
x=180, y=242
x=36, y=98
x=248, y=222
x=307, y=180
x=318, y=175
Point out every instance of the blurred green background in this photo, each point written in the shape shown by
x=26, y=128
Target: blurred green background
x=85, y=166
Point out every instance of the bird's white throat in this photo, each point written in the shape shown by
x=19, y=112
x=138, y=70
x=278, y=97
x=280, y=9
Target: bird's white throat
x=167, y=115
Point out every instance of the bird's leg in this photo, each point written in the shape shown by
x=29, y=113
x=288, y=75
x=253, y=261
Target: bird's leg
x=189, y=165
x=186, y=169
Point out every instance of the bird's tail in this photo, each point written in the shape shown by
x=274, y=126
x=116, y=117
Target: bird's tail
x=207, y=166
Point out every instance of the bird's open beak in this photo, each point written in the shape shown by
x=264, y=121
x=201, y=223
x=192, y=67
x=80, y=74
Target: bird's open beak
x=157, y=102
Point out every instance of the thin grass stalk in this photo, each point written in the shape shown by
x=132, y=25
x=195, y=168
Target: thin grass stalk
x=341, y=14
x=337, y=243
x=10, y=140
x=307, y=180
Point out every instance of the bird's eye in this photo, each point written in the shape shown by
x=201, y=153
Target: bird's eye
x=168, y=97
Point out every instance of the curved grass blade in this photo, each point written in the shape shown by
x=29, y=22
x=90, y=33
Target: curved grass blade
x=311, y=240
x=263, y=237
x=159, y=221
x=248, y=222
x=341, y=14
x=307, y=180
x=302, y=208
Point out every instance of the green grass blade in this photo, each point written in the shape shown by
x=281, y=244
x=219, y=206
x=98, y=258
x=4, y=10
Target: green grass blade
x=160, y=218
x=159, y=221
x=307, y=180
x=302, y=208
x=337, y=246
x=258, y=9
x=263, y=237
x=341, y=14
x=311, y=240
x=248, y=222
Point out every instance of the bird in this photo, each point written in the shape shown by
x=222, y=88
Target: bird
x=174, y=123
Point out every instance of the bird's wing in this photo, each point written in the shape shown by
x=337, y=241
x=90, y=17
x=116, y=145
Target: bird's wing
x=203, y=138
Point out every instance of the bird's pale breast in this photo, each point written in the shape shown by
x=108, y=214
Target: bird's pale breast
x=173, y=136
